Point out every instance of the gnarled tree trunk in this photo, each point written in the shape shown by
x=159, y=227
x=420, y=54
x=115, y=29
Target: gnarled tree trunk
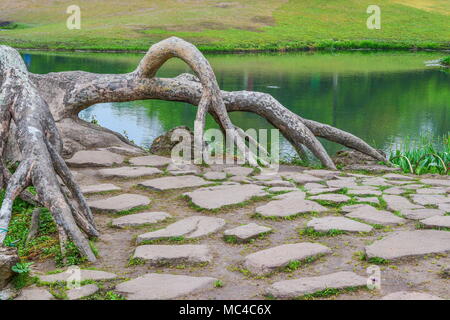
x=44, y=109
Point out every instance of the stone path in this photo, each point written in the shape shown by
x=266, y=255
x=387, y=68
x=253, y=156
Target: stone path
x=233, y=227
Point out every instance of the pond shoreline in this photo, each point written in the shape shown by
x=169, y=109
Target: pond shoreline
x=238, y=51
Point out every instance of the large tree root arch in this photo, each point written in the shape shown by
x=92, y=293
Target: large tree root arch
x=44, y=110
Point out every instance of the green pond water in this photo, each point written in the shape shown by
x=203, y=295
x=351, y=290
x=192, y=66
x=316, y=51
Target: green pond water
x=382, y=97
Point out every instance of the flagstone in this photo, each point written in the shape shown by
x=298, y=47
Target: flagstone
x=404, y=244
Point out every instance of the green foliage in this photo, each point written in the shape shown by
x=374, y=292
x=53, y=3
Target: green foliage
x=22, y=278
x=72, y=256
x=14, y=25
x=218, y=284
x=22, y=267
x=446, y=61
x=425, y=155
x=287, y=25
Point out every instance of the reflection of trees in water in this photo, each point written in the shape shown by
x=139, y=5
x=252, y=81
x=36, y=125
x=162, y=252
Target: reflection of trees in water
x=376, y=106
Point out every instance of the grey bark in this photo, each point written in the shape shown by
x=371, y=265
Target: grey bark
x=44, y=110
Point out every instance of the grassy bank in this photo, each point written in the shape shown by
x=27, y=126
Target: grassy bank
x=228, y=26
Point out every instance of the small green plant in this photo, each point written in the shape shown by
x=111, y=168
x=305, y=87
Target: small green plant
x=94, y=120
x=446, y=61
x=22, y=267
x=425, y=155
x=378, y=260
x=218, y=284
x=22, y=278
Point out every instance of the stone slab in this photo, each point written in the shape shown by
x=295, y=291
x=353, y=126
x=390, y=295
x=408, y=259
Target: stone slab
x=220, y=196
x=394, y=190
x=368, y=200
x=308, y=285
x=419, y=214
x=437, y=222
x=128, y=172
x=342, y=183
x=326, y=224
x=177, y=182
x=238, y=171
x=288, y=207
x=94, y=158
x=398, y=203
x=268, y=260
x=85, y=274
x=215, y=175
x=437, y=182
x=410, y=244
x=155, y=286
x=189, y=228
x=81, y=292
x=247, y=232
x=395, y=176
x=373, y=216
x=35, y=294
x=151, y=161
x=96, y=188
x=330, y=197
x=410, y=295
x=435, y=190
x=119, y=203
x=430, y=199
x=301, y=178
x=173, y=254
x=139, y=219
x=364, y=192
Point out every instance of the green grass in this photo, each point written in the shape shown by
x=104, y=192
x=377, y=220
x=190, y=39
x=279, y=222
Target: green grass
x=45, y=245
x=311, y=233
x=424, y=155
x=238, y=26
x=328, y=292
x=446, y=61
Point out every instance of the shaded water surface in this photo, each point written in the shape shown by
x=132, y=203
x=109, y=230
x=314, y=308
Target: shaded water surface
x=381, y=97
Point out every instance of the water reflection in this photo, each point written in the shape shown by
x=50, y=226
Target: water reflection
x=381, y=97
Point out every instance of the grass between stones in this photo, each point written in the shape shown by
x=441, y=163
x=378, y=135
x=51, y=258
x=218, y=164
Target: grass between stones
x=59, y=289
x=171, y=240
x=46, y=244
x=310, y=233
x=421, y=226
x=133, y=210
x=328, y=292
x=362, y=256
x=234, y=240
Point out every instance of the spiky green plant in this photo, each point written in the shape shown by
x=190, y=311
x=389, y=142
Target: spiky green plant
x=425, y=155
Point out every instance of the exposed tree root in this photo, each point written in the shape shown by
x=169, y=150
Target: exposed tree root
x=39, y=105
x=39, y=143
